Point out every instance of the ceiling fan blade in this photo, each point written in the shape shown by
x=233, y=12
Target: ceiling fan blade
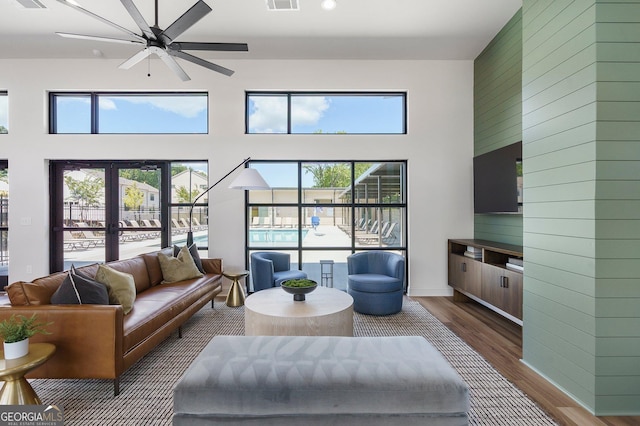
x=135, y=59
x=100, y=18
x=223, y=47
x=201, y=62
x=183, y=23
x=171, y=63
x=138, y=19
x=99, y=38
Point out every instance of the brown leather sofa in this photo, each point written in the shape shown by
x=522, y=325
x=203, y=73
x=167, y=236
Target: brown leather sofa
x=99, y=341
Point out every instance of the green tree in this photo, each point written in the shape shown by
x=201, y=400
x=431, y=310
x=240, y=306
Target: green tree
x=150, y=177
x=177, y=168
x=3, y=129
x=334, y=175
x=86, y=192
x=184, y=196
x=133, y=198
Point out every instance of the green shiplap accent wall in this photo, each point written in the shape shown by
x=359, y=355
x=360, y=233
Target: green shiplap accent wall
x=497, y=97
x=581, y=156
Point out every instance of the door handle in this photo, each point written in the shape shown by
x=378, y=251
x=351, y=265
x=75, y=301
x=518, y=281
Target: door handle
x=504, y=281
x=463, y=267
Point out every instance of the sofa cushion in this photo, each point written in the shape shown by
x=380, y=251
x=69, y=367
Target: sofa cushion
x=77, y=289
x=135, y=266
x=153, y=265
x=23, y=293
x=193, y=250
x=121, y=287
x=161, y=304
x=180, y=268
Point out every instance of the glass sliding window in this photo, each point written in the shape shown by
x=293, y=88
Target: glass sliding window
x=129, y=113
x=325, y=211
x=326, y=113
x=4, y=112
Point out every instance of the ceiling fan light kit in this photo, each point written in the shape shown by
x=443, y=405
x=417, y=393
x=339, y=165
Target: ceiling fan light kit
x=161, y=42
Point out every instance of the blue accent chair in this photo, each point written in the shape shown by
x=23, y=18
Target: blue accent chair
x=376, y=282
x=269, y=269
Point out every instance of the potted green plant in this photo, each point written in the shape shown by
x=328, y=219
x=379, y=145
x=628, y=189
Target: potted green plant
x=16, y=331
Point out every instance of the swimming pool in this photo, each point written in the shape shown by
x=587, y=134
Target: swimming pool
x=257, y=236
x=269, y=235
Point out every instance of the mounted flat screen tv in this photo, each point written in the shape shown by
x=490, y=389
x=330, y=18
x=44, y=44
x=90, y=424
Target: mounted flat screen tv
x=497, y=180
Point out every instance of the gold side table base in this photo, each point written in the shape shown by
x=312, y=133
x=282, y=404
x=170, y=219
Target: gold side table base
x=16, y=389
x=236, y=296
x=18, y=392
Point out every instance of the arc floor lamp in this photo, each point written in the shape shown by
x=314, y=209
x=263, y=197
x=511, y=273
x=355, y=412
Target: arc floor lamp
x=247, y=179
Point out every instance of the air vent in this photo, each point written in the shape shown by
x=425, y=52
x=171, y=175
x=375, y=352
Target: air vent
x=29, y=4
x=283, y=5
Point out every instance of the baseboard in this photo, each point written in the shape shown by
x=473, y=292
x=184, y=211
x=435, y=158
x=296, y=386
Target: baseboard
x=430, y=292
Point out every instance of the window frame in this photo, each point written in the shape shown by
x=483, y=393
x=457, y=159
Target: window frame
x=95, y=110
x=290, y=94
x=5, y=93
x=352, y=205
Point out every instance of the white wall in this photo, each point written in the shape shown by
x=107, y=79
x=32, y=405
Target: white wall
x=438, y=146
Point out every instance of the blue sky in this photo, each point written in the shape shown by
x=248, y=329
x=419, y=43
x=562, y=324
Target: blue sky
x=135, y=114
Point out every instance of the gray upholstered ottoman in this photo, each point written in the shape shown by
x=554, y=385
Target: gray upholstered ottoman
x=304, y=380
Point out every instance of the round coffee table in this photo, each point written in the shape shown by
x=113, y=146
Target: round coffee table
x=273, y=312
x=16, y=389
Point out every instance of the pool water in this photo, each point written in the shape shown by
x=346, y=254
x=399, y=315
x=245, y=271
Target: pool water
x=275, y=235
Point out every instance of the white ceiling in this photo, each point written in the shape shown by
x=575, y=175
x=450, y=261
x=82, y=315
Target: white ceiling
x=356, y=29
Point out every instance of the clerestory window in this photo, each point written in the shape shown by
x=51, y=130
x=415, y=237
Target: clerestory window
x=128, y=113
x=326, y=113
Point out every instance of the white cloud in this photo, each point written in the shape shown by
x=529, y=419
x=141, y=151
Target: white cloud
x=308, y=110
x=270, y=112
x=186, y=106
x=107, y=104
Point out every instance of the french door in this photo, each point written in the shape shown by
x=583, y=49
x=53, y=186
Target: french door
x=107, y=210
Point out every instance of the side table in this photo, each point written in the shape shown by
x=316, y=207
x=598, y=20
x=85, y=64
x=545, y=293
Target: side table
x=236, y=296
x=16, y=389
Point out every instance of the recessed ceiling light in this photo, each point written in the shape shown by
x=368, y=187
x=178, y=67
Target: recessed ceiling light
x=283, y=5
x=328, y=4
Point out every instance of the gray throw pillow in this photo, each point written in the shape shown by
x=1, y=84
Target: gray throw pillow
x=78, y=289
x=193, y=250
x=178, y=268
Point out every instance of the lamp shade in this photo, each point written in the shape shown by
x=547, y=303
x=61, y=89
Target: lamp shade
x=249, y=179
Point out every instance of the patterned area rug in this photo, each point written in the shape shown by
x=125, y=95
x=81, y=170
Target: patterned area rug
x=146, y=388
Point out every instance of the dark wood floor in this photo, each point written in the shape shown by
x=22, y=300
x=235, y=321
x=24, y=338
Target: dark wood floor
x=500, y=342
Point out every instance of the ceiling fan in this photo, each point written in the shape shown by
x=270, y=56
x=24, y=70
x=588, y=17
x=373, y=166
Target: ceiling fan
x=161, y=42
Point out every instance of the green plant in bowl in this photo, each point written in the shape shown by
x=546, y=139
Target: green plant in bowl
x=299, y=283
x=299, y=287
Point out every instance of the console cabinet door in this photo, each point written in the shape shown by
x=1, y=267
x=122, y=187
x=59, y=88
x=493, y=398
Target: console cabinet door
x=503, y=289
x=465, y=274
